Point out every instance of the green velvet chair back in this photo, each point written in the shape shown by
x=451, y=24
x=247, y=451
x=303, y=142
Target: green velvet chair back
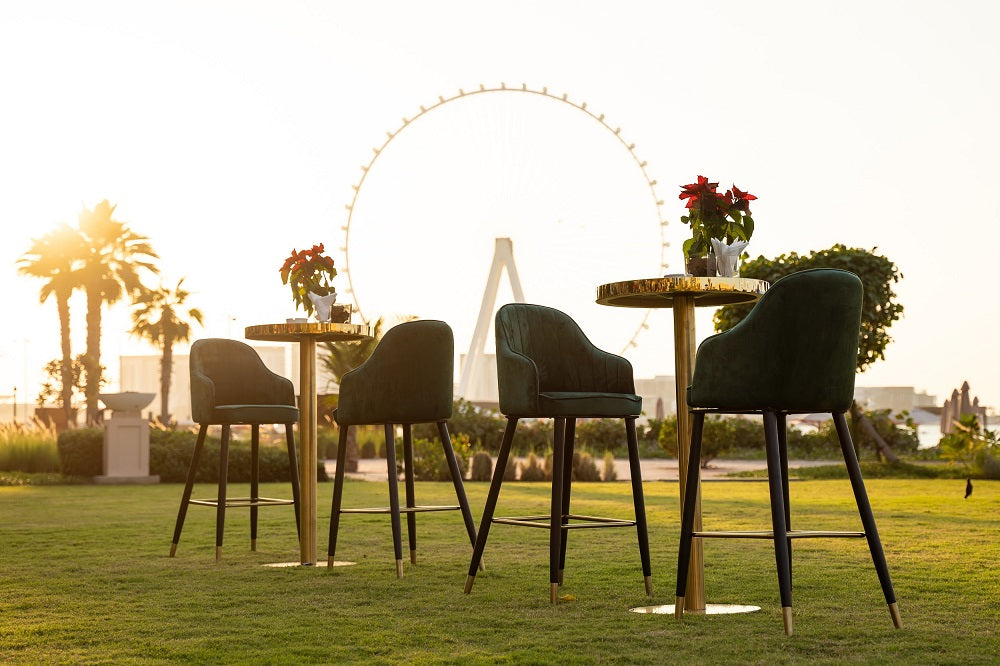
x=542, y=350
x=407, y=379
x=230, y=373
x=795, y=352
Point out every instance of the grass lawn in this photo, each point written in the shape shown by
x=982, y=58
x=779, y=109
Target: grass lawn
x=85, y=578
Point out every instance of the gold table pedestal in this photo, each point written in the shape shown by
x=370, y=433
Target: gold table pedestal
x=683, y=294
x=307, y=335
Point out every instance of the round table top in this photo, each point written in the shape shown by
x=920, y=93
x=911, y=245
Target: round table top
x=660, y=292
x=322, y=332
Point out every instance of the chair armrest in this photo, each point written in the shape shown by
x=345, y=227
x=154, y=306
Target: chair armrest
x=616, y=375
x=518, y=383
x=202, y=397
x=276, y=389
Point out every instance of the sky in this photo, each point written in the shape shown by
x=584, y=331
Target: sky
x=231, y=132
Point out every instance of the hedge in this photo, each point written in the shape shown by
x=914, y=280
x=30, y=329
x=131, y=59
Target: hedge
x=170, y=452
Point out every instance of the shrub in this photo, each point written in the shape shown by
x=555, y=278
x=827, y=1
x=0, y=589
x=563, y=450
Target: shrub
x=367, y=449
x=371, y=438
x=429, y=463
x=584, y=467
x=601, y=434
x=170, y=453
x=510, y=471
x=482, y=467
x=609, y=473
x=531, y=470
x=81, y=452
x=533, y=436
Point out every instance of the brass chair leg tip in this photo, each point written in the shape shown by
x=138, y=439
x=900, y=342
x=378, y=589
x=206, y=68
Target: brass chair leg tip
x=679, y=608
x=173, y=549
x=253, y=545
x=468, y=584
x=329, y=562
x=897, y=621
x=218, y=553
x=554, y=593
x=786, y=617
x=482, y=565
x=649, y=585
x=399, y=568
x=413, y=557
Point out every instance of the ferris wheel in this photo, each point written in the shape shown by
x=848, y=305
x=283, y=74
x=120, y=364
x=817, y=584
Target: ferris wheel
x=501, y=161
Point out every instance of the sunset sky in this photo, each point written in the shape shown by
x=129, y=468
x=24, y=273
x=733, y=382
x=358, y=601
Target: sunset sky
x=231, y=132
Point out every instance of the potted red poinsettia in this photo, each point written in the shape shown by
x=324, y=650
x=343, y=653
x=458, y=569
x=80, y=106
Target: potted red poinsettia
x=309, y=274
x=721, y=224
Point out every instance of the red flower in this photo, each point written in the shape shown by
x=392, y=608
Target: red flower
x=695, y=191
x=742, y=199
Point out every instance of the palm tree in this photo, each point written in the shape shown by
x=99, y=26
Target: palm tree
x=340, y=359
x=114, y=257
x=54, y=257
x=159, y=318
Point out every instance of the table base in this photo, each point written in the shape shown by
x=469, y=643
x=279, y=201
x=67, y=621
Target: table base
x=710, y=609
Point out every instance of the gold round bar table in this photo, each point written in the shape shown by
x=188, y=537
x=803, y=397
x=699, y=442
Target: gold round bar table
x=307, y=335
x=684, y=294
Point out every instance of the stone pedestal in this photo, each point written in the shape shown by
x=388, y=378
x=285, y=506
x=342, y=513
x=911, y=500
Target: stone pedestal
x=126, y=450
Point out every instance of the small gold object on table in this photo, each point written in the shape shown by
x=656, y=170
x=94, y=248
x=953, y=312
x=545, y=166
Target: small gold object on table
x=683, y=294
x=307, y=334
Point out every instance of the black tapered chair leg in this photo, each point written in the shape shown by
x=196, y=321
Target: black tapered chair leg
x=338, y=494
x=220, y=509
x=254, y=482
x=555, y=517
x=687, y=512
x=783, y=455
x=293, y=472
x=569, y=440
x=390, y=461
x=411, y=517
x=491, y=503
x=778, y=518
x=639, y=503
x=867, y=517
x=188, y=486
x=456, y=479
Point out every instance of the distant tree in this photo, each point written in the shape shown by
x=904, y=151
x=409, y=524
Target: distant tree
x=339, y=359
x=879, y=309
x=160, y=318
x=53, y=257
x=113, y=259
x=53, y=389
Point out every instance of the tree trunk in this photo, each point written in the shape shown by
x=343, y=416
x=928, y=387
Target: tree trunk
x=166, y=368
x=92, y=360
x=351, y=454
x=866, y=426
x=66, y=370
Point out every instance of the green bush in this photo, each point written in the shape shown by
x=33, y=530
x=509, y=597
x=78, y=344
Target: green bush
x=584, y=467
x=482, y=467
x=367, y=450
x=170, y=453
x=531, y=470
x=429, y=463
x=81, y=452
x=609, y=473
x=601, y=434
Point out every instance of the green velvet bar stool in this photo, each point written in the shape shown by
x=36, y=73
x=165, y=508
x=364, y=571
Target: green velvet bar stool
x=230, y=386
x=547, y=368
x=794, y=353
x=408, y=379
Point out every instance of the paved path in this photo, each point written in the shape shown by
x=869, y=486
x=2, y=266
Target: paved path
x=653, y=469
